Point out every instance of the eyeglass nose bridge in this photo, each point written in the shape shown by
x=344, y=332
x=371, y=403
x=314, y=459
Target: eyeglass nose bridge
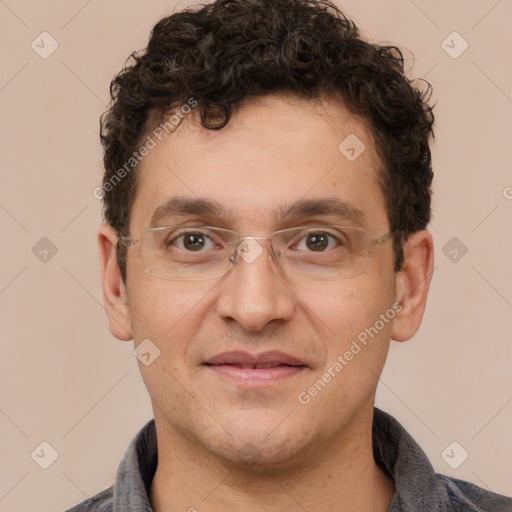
x=252, y=251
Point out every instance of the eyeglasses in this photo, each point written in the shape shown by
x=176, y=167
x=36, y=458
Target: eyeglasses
x=205, y=252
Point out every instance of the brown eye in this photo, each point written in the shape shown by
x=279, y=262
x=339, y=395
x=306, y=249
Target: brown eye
x=317, y=241
x=194, y=241
x=190, y=241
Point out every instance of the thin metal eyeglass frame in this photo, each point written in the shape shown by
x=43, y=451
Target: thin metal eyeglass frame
x=132, y=242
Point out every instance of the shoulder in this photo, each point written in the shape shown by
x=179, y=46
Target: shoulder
x=468, y=497
x=102, y=502
x=418, y=486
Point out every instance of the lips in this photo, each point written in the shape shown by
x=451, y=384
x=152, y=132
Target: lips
x=255, y=361
x=255, y=370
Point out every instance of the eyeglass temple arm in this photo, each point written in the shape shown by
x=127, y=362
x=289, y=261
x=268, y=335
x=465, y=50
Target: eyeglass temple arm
x=126, y=241
x=383, y=238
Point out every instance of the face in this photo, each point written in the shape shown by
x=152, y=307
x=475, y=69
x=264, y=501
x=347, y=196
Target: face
x=273, y=153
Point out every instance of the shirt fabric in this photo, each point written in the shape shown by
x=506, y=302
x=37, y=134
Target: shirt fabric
x=417, y=486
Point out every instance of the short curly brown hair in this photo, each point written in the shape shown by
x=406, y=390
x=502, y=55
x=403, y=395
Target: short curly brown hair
x=231, y=50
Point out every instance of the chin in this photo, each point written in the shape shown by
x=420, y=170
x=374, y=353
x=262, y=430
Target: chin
x=260, y=447
x=261, y=459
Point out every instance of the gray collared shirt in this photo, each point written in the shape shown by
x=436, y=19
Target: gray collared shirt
x=417, y=486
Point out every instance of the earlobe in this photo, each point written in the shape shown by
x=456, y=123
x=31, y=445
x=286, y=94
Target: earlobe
x=114, y=290
x=412, y=284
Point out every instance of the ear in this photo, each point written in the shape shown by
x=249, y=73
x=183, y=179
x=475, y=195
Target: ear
x=114, y=291
x=412, y=284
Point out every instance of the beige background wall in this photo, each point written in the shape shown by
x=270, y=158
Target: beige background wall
x=65, y=380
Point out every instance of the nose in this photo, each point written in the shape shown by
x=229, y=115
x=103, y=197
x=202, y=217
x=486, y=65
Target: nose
x=255, y=291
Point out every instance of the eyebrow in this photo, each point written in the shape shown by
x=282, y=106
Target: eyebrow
x=329, y=206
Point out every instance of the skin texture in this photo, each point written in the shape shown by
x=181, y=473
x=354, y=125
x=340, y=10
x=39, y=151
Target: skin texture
x=275, y=151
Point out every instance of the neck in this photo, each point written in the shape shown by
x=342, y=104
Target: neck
x=342, y=476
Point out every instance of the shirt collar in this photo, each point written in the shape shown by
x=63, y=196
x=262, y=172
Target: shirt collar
x=136, y=472
x=416, y=484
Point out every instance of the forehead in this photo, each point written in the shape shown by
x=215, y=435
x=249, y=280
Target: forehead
x=278, y=159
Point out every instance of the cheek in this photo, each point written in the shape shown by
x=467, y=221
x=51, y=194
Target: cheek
x=344, y=308
x=355, y=318
x=169, y=315
x=165, y=312
x=356, y=348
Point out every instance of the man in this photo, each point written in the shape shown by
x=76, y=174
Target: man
x=267, y=193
